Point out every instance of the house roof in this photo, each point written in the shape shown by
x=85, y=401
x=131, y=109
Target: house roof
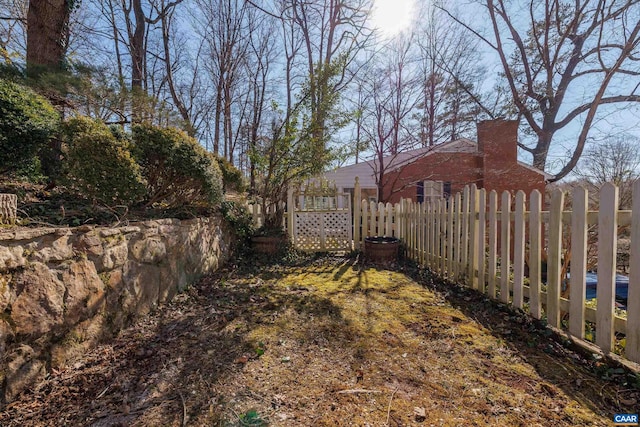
x=547, y=176
x=344, y=176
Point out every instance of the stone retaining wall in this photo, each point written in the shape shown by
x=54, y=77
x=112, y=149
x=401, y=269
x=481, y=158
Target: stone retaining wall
x=63, y=289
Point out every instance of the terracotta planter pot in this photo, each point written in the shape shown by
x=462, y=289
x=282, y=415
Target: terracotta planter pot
x=381, y=250
x=269, y=245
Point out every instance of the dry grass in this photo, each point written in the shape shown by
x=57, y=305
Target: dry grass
x=325, y=344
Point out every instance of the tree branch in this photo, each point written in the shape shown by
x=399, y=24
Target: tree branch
x=585, y=107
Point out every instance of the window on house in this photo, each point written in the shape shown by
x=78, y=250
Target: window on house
x=446, y=189
x=433, y=190
x=420, y=192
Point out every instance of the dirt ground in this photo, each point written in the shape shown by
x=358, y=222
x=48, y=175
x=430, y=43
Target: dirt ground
x=329, y=343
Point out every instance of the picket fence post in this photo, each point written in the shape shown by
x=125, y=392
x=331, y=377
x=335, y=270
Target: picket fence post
x=457, y=256
x=357, y=213
x=535, y=248
x=428, y=232
x=554, y=261
x=450, y=238
x=464, y=247
x=518, y=251
x=418, y=231
x=482, y=243
x=388, y=230
x=607, y=244
x=473, y=237
x=365, y=219
x=505, y=246
x=632, y=351
x=492, y=265
x=578, y=272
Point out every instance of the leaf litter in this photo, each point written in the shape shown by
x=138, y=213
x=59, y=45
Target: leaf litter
x=329, y=342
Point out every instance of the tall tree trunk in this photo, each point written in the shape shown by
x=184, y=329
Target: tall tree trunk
x=138, y=58
x=47, y=35
x=228, y=126
x=182, y=108
x=218, y=114
x=47, y=40
x=137, y=47
x=431, y=110
x=541, y=151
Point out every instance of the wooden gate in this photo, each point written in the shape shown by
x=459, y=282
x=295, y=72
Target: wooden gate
x=320, y=220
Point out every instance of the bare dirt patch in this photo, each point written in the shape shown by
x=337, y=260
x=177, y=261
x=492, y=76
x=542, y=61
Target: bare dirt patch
x=328, y=343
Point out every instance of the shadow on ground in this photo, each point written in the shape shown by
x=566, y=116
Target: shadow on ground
x=604, y=388
x=331, y=342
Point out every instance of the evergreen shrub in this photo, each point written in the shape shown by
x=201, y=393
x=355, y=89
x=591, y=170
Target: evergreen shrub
x=232, y=178
x=177, y=169
x=27, y=123
x=98, y=162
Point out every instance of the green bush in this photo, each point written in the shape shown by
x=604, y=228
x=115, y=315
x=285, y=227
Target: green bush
x=232, y=178
x=178, y=170
x=27, y=122
x=239, y=217
x=99, y=164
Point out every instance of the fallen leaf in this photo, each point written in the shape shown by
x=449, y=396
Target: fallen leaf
x=241, y=360
x=420, y=414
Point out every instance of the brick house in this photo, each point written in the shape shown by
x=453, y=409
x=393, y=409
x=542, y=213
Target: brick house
x=436, y=172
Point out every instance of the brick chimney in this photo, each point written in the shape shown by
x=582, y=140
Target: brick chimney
x=498, y=141
x=498, y=146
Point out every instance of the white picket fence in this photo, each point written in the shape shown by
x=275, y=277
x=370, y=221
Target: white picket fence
x=474, y=237
x=315, y=222
x=477, y=239
x=255, y=209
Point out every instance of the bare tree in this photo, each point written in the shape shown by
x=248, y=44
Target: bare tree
x=614, y=160
x=393, y=91
x=262, y=53
x=175, y=59
x=13, y=22
x=223, y=26
x=358, y=101
x=133, y=24
x=333, y=32
x=451, y=72
x=562, y=62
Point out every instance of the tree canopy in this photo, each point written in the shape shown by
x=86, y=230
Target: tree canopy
x=215, y=68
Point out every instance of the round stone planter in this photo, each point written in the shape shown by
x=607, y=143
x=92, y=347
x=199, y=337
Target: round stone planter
x=381, y=250
x=269, y=245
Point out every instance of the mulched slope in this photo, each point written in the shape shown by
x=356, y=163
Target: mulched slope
x=327, y=343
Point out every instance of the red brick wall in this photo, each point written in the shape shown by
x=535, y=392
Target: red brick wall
x=458, y=168
x=494, y=167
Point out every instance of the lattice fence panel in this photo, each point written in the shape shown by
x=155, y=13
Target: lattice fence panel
x=308, y=226
x=323, y=230
x=337, y=230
